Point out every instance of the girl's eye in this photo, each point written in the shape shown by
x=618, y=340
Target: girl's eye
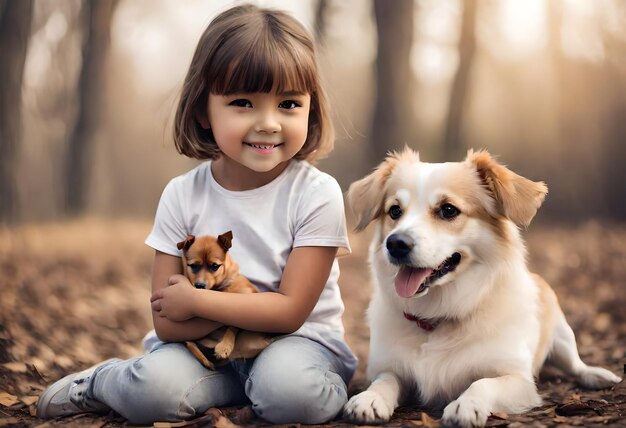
x=289, y=104
x=241, y=103
x=395, y=212
x=448, y=211
x=214, y=267
x=195, y=268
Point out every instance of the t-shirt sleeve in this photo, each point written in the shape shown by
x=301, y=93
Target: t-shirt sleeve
x=169, y=227
x=321, y=219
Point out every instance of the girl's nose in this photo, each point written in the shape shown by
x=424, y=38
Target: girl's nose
x=268, y=123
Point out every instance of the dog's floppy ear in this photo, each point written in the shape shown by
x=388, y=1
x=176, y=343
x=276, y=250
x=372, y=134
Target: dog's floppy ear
x=225, y=240
x=516, y=197
x=366, y=196
x=188, y=242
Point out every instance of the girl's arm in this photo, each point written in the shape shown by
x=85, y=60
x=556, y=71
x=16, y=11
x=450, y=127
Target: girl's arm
x=163, y=268
x=303, y=280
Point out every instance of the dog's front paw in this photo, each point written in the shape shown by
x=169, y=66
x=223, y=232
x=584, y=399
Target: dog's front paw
x=597, y=378
x=465, y=412
x=223, y=350
x=368, y=407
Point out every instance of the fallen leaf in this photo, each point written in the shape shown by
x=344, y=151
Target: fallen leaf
x=7, y=399
x=16, y=367
x=245, y=415
x=29, y=399
x=573, y=408
x=429, y=422
x=201, y=422
x=219, y=420
x=8, y=422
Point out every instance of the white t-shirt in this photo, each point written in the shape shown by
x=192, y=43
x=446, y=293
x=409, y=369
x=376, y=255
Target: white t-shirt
x=301, y=207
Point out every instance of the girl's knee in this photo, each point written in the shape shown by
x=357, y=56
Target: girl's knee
x=160, y=386
x=158, y=393
x=311, y=396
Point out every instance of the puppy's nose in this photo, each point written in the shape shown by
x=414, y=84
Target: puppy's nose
x=399, y=245
x=199, y=285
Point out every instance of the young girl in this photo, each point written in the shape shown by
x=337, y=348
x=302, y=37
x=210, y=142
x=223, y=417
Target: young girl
x=253, y=106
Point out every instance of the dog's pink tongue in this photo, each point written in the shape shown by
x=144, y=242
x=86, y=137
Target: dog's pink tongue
x=408, y=280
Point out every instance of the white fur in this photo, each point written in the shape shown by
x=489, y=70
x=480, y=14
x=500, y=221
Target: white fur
x=481, y=358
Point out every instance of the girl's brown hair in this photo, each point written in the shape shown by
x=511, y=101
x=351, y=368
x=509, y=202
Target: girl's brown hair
x=250, y=49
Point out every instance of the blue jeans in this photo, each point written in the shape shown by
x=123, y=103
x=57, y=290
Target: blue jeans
x=294, y=380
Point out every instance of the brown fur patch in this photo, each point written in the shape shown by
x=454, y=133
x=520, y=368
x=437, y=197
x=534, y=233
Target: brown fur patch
x=516, y=197
x=366, y=196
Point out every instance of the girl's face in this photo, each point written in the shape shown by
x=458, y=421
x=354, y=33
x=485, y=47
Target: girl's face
x=259, y=131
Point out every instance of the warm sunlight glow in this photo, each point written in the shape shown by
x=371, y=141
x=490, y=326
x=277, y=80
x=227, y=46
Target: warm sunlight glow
x=158, y=39
x=42, y=45
x=434, y=57
x=433, y=63
x=523, y=24
x=581, y=36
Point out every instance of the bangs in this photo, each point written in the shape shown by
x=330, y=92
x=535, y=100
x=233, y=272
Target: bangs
x=267, y=63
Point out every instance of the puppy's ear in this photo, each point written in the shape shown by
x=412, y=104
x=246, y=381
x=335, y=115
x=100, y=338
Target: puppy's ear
x=225, y=240
x=366, y=196
x=188, y=242
x=516, y=197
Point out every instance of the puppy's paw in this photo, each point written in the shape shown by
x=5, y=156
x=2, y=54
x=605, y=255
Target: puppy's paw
x=223, y=350
x=597, y=378
x=465, y=412
x=368, y=407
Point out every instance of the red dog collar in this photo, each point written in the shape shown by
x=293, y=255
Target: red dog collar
x=421, y=323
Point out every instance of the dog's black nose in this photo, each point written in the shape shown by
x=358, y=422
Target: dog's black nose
x=399, y=245
x=199, y=285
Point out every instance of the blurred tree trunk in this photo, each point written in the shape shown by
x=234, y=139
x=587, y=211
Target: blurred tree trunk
x=97, y=15
x=453, y=147
x=15, y=21
x=614, y=149
x=320, y=21
x=393, y=112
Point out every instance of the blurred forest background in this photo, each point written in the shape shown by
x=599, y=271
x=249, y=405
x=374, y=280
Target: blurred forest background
x=88, y=90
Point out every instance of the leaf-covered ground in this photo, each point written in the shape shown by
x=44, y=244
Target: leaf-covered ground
x=76, y=293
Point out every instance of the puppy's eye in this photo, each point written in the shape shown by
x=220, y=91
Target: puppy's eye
x=195, y=268
x=395, y=212
x=448, y=212
x=214, y=267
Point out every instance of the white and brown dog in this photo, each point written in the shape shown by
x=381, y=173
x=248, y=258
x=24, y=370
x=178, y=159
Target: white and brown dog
x=456, y=316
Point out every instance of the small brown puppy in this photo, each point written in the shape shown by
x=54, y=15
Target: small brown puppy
x=207, y=265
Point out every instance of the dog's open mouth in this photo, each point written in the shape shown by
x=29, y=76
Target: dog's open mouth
x=411, y=281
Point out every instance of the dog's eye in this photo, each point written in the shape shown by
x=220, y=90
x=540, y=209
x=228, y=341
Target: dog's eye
x=195, y=268
x=448, y=211
x=214, y=267
x=395, y=212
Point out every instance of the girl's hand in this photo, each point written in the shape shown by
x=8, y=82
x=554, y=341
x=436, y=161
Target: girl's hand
x=175, y=302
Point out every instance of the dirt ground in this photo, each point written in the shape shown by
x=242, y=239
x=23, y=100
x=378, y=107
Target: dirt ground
x=76, y=293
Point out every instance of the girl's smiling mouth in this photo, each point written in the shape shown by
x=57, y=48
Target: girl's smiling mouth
x=265, y=148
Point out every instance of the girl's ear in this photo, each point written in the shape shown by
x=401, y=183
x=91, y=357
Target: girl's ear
x=203, y=120
x=201, y=114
